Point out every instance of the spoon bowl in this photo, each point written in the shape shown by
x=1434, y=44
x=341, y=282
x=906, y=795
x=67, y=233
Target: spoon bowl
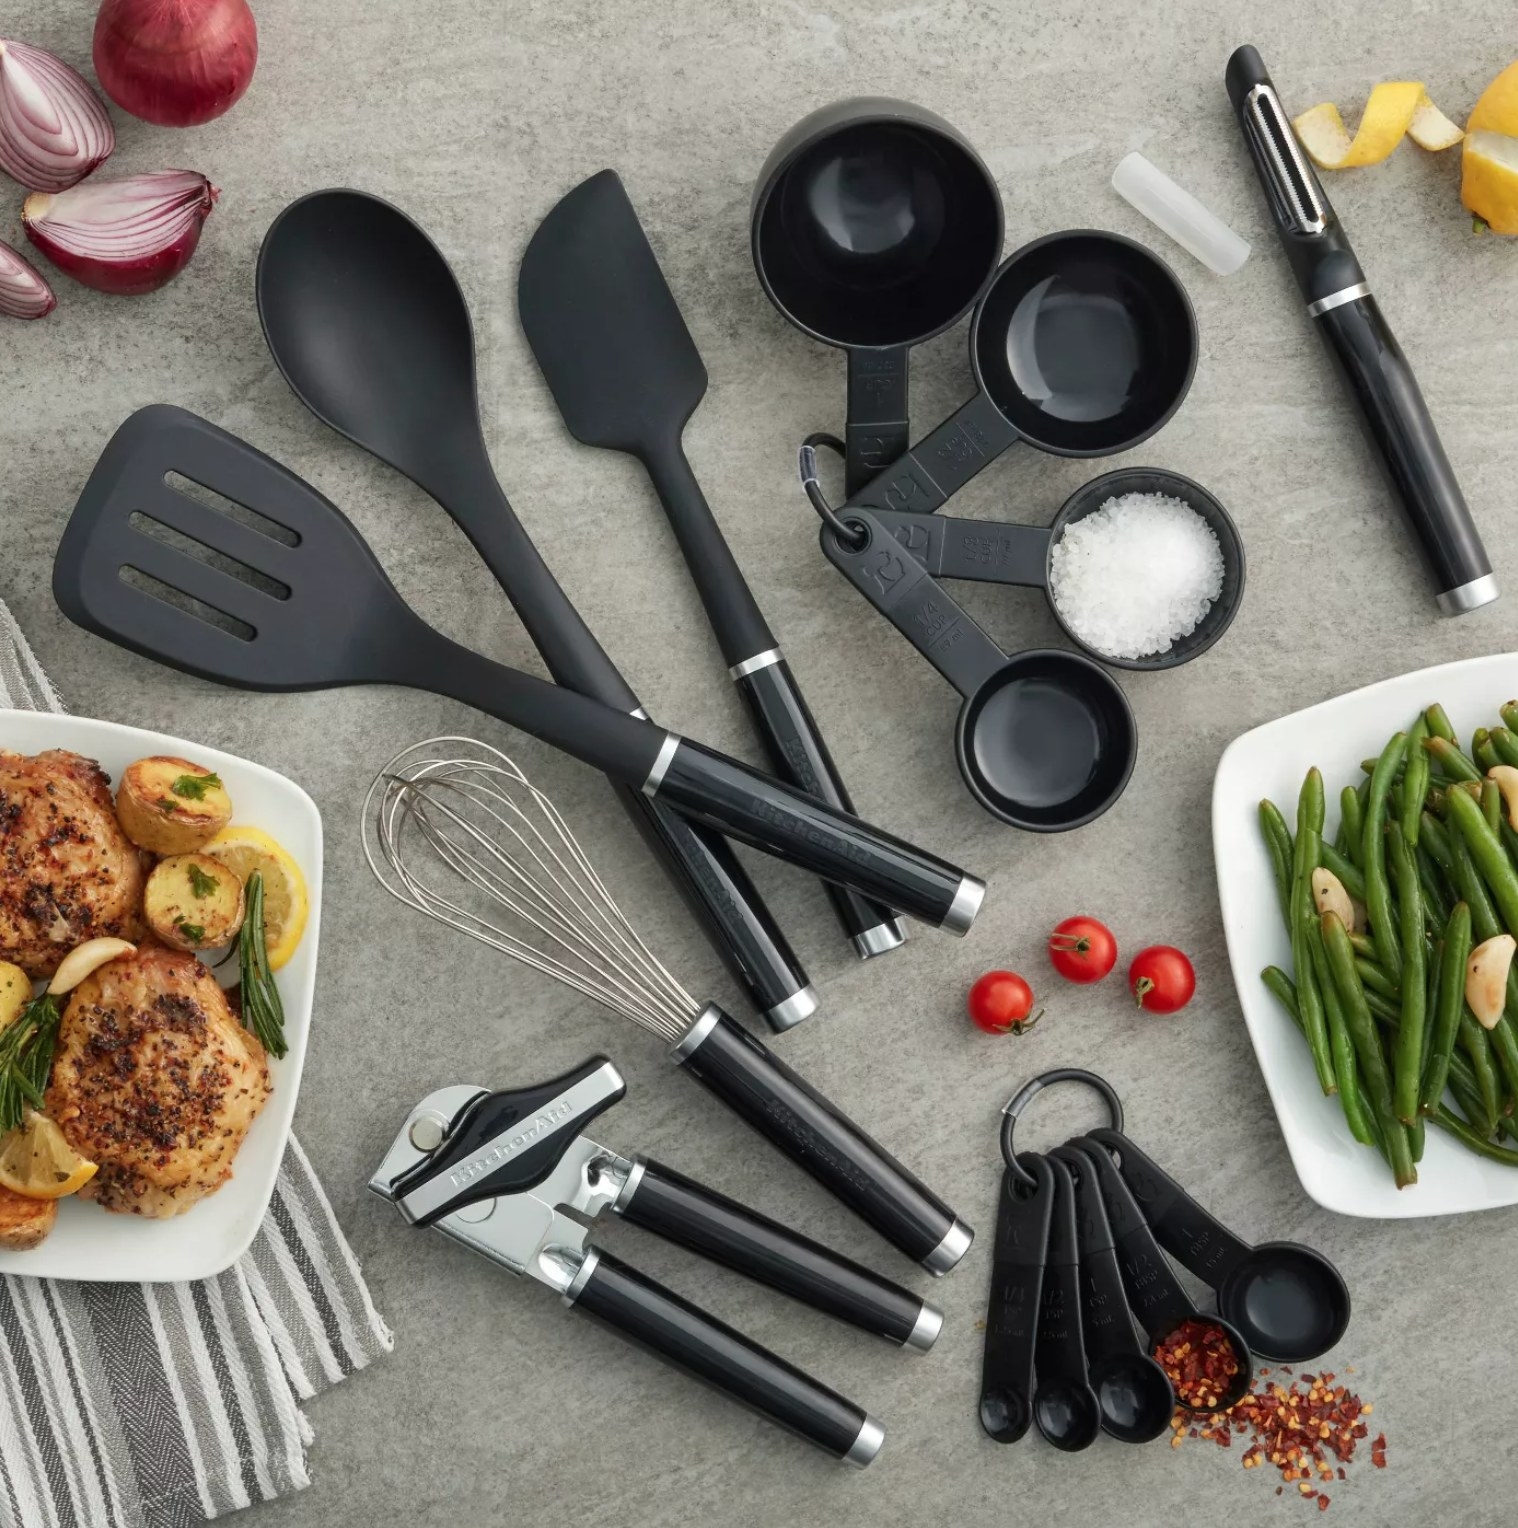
x=1134, y=1396
x=1067, y=1415
x=1289, y=1302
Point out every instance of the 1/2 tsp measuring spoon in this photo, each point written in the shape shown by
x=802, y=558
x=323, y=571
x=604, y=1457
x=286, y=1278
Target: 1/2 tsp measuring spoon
x=1064, y=1404
x=1289, y=1302
x=1132, y=1390
x=1155, y=1296
x=1023, y=1217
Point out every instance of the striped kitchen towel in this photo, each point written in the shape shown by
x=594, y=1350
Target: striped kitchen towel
x=162, y=1405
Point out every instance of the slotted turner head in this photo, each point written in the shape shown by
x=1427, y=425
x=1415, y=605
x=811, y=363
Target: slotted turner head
x=287, y=597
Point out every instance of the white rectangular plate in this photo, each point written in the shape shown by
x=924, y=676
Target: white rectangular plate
x=1272, y=761
x=89, y=1243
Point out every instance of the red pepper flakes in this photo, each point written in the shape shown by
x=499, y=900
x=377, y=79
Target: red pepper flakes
x=1310, y=1428
x=1199, y=1360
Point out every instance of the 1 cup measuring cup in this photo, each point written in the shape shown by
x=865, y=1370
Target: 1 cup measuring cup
x=875, y=226
x=1289, y=1302
x=1045, y=739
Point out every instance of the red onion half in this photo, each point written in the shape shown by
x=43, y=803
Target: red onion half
x=122, y=236
x=23, y=291
x=53, y=128
x=175, y=62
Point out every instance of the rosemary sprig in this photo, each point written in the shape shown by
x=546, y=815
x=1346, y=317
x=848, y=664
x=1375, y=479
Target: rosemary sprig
x=26, y=1058
x=262, y=1011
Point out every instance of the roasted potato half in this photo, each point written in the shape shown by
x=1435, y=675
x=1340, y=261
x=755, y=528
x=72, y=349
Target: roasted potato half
x=24, y=1223
x=15, y=992
x=171, y=806
x=193, y=902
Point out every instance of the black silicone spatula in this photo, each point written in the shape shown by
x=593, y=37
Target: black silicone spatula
x=626, y=375
x=290, y=597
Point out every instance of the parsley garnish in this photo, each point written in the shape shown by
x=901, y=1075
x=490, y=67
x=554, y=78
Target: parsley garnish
x=194, y=787
x=201, y=883
x=167, y=807
x=194, y=932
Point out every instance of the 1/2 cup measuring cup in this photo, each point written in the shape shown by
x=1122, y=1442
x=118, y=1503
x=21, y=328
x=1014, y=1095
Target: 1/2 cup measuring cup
x=1045, y=739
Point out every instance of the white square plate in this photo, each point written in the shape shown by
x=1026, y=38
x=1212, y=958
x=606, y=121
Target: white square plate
x=1271, y=761
x=89, y=1243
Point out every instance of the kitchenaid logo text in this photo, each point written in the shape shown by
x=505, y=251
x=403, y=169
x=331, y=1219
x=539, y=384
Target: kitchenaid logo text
x=487, y=1161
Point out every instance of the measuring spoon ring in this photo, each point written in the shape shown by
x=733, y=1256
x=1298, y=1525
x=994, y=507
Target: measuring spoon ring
x=1064, y=1404
x=1289, y=1301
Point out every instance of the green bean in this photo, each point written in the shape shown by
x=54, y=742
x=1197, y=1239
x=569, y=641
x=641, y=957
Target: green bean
x=1454, y=763
x=1482, y=751
x=1414, y=782
x=1303, y=910
x=1506, y=745
x=1349, y=874
x=1341, y=1046
x=1489, y=857
x=1467, y=1101
x=1351, y=822
x=1473, y=1040
x=1437, y=900
x=1378, y=900
x=1362, y=1029
x=1446, y=1119
x=1278, y=845
x=1375, y=979
x=1438, y=723
x=1284, y=990
x=1363, y=947
x=1491, y=807
x=1407, y=1058
x=1386, y=1009
x=1433, y=839
x=1448, y=1006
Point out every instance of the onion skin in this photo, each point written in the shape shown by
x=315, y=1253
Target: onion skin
x=122, y=237
x=24, y=292
x=176, y=63
x=53, y=127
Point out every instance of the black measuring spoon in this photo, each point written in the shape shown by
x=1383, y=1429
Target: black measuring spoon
x=1023, y=1215
x=1155, y=1296
x=1064, y=1404
x=1289, y=1302
x=1045, y=739
x=1132, y=1390
x=875, y=226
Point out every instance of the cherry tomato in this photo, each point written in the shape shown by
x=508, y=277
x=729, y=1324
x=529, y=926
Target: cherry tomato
x=1161, y=979
x=1082, y=950
x=1000, y=1003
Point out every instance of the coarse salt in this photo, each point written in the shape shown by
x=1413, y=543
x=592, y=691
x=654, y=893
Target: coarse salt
x=1136, y=575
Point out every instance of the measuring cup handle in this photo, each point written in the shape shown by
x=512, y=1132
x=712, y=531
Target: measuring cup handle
x=977, y=551
x=1015, y=1302
x=904, y=592
x=1199, y=1242
x=940, y=464
x=877, y=431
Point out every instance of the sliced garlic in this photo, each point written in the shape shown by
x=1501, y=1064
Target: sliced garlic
x=1486, y=978
x=84, y=961
x=1330, y=896
x=1505, y=778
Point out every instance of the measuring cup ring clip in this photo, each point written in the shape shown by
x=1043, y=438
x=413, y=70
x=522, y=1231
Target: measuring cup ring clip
x=1030, y=1090
x=850, y=536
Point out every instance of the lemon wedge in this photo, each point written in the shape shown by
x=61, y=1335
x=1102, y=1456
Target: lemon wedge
x=38, y=1163
x=1395, y=110
x=15, y=992
x=286, y=904
x=1489, y=163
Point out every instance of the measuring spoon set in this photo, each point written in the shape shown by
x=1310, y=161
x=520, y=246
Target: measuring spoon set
x=1082, y=1292
x=875, y=227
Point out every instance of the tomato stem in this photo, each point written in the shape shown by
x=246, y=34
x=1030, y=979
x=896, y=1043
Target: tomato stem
x=1141, y=989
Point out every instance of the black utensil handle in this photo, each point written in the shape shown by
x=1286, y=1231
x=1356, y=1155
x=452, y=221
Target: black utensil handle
x=726, y=904
x=800, y=755
x=905, y=593
x=1155, y=1296
x=672, y=1206
x=1015, y=1301
x=757, y=809
x=977, y=551
x=1198, y=1241
x=822, y=1140
x=1106, y=1320
x=877, y=431
x=678, y=1332
x=940, y=464
x=1398, y=423
x=1060, y=1351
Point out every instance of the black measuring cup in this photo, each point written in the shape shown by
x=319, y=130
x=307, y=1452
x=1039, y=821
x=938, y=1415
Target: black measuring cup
x=995, y=552
x=1155, y=1296
x=875, y=226
x=1065, y=1406
x=1289, y=1302
x=1084, y=344
x=1024, y=1210
x=1132, y=1391
x=1045, y=739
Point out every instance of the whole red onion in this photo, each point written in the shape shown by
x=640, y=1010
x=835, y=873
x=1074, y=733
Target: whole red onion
x=175, y=62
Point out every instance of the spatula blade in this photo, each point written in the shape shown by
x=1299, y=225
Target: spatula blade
x=604, y=325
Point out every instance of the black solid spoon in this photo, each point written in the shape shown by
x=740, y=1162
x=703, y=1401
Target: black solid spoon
x=369, y=327
x=1289, y=1302
x=1065, y=1406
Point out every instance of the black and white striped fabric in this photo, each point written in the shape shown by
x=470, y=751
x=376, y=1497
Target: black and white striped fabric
x=162, y=1405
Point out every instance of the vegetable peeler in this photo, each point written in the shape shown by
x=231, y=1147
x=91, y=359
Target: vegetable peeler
x=507, y=1173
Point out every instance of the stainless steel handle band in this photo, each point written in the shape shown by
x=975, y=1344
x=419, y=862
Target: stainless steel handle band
x=752, y=665
x=1338, y=299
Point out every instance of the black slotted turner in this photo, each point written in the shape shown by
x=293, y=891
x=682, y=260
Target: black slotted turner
x=331, y=618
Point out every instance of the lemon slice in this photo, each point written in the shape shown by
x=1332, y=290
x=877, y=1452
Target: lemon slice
x=1396, y=109
x=244, y=850
x=1489, y=166
x=38, y=1163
